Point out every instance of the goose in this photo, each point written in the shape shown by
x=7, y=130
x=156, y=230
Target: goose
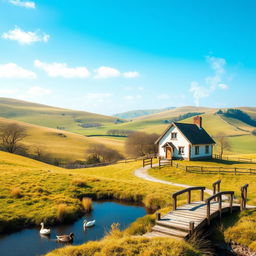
x=87, y=224
x=44, y=231
x=66, y=238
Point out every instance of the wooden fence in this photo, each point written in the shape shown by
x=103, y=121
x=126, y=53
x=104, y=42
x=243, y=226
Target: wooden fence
x=215, y=170
x=233, y=158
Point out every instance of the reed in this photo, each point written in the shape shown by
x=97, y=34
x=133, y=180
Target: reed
x=87, y=204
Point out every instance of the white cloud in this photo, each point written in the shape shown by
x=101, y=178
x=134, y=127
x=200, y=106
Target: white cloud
x=132, y=97
x=98, y=97
x=109, y=72
x=140, y=88
x=25, y=37
x=12, y=70
x=26, y=4
x=106, y=72
x=131, y=74
x=223, y=86
x=211, y=82
x=4, y=92
x=36, y=91
x=163, y=96
x=62, y=70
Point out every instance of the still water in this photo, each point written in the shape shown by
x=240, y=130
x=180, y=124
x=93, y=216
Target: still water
x=28, y=242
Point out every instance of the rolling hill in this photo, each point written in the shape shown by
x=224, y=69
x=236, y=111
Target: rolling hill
x=60, y=144
x=141, y=112
x=238, y=132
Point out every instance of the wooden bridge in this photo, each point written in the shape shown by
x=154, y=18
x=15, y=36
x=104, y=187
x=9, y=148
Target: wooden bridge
x=184, y=220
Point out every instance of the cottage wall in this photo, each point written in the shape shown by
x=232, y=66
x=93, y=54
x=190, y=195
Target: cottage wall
x=201, y=151
x=181, y=141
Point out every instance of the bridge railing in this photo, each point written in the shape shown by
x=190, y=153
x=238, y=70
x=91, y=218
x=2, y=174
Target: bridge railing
x=187, y=190
x=219, y=197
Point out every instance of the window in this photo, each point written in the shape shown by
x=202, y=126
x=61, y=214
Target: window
x=174, y=135
x=181, y=150
x=196, y=150
x=207, y=149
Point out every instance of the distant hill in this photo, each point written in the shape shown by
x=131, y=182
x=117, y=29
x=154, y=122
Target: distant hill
x=52, y=117
x=141, y=112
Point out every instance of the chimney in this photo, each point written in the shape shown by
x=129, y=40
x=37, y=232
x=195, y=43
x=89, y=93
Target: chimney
x=198, y=121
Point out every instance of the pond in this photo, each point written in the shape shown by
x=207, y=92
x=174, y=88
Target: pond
x=28, y=242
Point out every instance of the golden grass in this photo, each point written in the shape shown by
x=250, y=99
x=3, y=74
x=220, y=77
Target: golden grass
x=16, y=193
x=119, y=244
x=87, y=204
x=53, y=194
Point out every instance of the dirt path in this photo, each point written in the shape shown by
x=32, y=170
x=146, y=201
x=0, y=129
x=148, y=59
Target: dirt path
x=143, y=174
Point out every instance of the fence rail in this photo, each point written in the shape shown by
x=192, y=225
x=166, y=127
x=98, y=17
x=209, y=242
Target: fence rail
x=217, y=170
x=233, y=158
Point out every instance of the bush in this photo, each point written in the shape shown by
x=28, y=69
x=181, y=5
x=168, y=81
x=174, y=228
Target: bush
x=79, y=183
x=87, y=204
x=154, y=201
x=254, y=132
x=16, y=193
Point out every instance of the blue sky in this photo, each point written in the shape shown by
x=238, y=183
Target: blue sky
x=109, y=56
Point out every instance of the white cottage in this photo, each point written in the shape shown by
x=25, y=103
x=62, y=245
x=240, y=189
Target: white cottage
x=185, y=141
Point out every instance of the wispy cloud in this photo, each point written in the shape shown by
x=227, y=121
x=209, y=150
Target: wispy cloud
x=12, y=70
x=26, y=4
x=211, y=82
x=62, y=70
x=109, y=72
x=25, y=37
x=36, y=91
x=98, y=97
x=132, y=97
x=131, y=74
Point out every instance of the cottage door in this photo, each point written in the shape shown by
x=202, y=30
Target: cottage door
x=168, y=153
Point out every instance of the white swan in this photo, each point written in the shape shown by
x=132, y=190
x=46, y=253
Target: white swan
x=44, y=231
x=88, y=223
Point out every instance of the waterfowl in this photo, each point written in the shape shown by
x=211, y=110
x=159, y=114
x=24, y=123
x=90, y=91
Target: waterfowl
x=44, y=231
x=66, y=238
x=87, y=224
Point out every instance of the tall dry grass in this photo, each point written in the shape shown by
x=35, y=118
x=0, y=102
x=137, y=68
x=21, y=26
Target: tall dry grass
x=87, y=204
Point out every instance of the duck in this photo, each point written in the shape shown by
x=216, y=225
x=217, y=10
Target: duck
x=66, y=238
x=44, y=231
x=87, y=224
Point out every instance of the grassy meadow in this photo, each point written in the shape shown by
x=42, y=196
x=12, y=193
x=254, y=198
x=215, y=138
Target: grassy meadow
x=32, y=191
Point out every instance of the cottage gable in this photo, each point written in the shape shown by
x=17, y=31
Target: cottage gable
x=185, y=141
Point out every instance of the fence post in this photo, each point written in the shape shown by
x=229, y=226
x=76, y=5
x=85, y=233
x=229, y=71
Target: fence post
x=208, y=213
x=189, y=196
x=235, y=171
x=191, y=227
x=220, y=205
x=158, y=216
x=151, y=159
x=174, y=202
x=143, y=162
x=186, y=169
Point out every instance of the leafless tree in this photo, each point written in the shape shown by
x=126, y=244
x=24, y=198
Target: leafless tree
x=141, y=144
x=102, y=153
x=222, y=142
x=10, y=137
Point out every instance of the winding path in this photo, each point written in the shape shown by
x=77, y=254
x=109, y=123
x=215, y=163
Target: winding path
x=143, y=174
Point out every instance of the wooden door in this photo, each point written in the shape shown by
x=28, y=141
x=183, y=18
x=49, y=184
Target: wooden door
x=168, y=153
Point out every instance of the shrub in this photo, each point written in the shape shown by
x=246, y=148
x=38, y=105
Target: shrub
x=254, y=132
x=16, y=193
x=87, y=204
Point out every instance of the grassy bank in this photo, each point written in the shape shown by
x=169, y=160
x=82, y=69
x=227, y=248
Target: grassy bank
x=121, y=244
x=240, y=227
x=32, y=192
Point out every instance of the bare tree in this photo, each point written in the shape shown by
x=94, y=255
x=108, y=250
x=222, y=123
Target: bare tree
x=141, y=144
x=101, y=153
x=10, y=137
x=222, y=142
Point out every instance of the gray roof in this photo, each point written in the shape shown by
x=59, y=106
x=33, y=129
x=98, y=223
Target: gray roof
x=193, y=133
